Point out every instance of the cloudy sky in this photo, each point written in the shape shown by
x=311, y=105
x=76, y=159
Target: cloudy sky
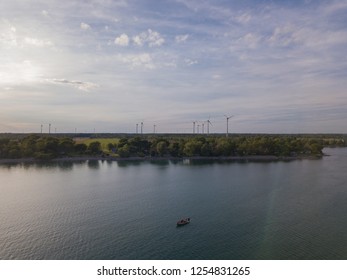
x=277, y=66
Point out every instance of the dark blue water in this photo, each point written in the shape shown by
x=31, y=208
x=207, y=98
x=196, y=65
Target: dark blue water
x=128, y=210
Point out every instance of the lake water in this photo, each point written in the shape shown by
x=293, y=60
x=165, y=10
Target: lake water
x=128, y=210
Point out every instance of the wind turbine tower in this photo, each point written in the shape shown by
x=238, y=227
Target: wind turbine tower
x=141, y=127
x=194, y=127
x=49, y=129
x=137, y=128
x=208, y=125
x=228, y=117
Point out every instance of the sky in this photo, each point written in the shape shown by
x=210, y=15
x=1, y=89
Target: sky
x=107, y=65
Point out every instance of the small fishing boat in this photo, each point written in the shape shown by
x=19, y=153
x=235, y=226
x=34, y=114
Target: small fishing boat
x=183, y=222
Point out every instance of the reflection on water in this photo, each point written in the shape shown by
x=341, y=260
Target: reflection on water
x=125, y=163
x=61, y=165
x=93, y=164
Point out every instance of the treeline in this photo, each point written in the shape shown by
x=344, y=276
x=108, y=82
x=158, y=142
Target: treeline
x=40, y=147
x=219, y=146
x=49, y=147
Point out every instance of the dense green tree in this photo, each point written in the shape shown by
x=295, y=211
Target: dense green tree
x=66, y=146
x=4, y=148
x=122, y=142
x=206, y=149
x=192, y=148
x=14, y=150
x=223, y=147
x=162, y=148
x=111, y=147
x=52, y=145
x=175, y=149
x=80, y=148
x=124, y=151
x=28, y=145
x=139, y=146
x=94, y=148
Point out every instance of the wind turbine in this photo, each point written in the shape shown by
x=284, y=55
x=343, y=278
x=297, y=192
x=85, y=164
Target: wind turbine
x=141, y=127
x=41, y=128
x=208, y=125
x=194, y=122
x=49, y=130
x=203, y=128
x=154, y=126
x=198, y=127
x=228, y=117
x=137, y=128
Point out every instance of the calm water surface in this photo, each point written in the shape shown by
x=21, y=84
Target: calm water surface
x=128, y=210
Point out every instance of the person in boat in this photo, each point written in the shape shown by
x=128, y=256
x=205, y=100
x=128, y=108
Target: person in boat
x=183, y=222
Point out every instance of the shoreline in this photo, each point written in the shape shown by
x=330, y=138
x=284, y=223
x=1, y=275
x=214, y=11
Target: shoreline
x=254, y=158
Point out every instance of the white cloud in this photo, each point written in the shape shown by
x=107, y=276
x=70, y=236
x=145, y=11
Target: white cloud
x=190, y=61
x=283, y=35
x=85, y=86
x=152, y=38
x=122, y=40
x=248, y=41
x=37, y=42
x=138, y=40
x=243, y=18
x=85, y=26
x=251, y=40
x=11, y=39
x=44, y=13
x=334, y=7
x=181, y=38
x=138, y=60
x=8, y=35
x=20, y=72
x=290, y=34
